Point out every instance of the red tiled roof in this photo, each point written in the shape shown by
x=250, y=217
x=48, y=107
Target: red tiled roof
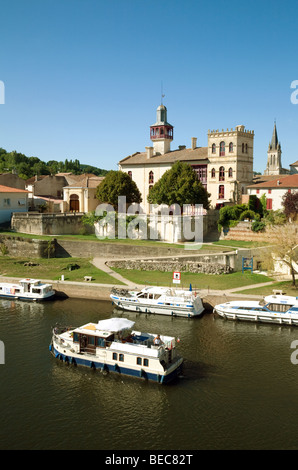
x=7, y=189
x=290, y=181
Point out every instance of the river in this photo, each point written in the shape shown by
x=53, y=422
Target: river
x=238, y=390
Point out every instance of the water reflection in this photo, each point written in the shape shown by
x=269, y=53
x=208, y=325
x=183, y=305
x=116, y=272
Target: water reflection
x=238, y=389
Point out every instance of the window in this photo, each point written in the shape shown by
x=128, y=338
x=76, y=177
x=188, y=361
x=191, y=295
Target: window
x=231, y=147
x=146, y=362
x=222, y=149
x=121, y=357
x=151, y=177
x=269, y=204
x=139, y=361
x=213, y=173
x=115, y=356
x=7, y=202
x=129, y=174
x=213, y=148
x=221, y=174
x=221, y=191
x=75, y=338
x=258, y=191
x=245, y=148
x=269, y=191
x=230, y=172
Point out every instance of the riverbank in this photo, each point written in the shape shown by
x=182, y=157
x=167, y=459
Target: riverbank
x=95, y=291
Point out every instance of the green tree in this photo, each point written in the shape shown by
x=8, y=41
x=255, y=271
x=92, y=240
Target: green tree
x=179, y=185
x=118, y=183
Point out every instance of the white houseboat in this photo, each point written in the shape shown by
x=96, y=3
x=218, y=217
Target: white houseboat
x=27, y=289
x=111, y=346
x=159, y=300
x=279, y=309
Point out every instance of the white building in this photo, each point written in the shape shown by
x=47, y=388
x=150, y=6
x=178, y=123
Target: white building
x=12, y=200
x=275, y=189
x=224, y=166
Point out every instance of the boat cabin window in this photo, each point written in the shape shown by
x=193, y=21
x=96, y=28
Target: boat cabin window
x=141, y=361
x=142, y=296
x=35, y=291
x=76, y=337
x=279, y=307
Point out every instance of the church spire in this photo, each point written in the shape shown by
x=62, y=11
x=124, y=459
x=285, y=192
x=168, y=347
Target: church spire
x=274, y=141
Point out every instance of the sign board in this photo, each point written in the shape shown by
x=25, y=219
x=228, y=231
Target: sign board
x=176, y=277
x=247, y=264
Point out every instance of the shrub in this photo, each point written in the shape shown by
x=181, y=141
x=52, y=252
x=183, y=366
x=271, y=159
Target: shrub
x=258, y=226
x=228, y=213
x=248, y=214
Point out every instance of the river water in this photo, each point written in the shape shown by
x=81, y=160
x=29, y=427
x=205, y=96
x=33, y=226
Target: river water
x=238, y=390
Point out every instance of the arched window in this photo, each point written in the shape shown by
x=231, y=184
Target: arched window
x=221, y=191
x=231, y=147
x=222, y=149
x=213, y=173
x=129, y=174
x=245, y=148
x=221, y=174
x=213, y=148
x=230, y=172
x=151, y=177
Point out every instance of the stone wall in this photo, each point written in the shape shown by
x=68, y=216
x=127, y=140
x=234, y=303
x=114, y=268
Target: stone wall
x=47, y=224
x=171, y=266
x=71, y=224
x=243, y=232
x=28, y=247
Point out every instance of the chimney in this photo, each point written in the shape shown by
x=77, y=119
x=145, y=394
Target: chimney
x=193, y=143
x=149, y=152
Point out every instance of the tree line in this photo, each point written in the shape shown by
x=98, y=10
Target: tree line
x=26, y=167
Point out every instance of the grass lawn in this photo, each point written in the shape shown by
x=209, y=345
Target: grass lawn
x=239, y=243
x=53, y=268
x=198, y=281
x=285, y=286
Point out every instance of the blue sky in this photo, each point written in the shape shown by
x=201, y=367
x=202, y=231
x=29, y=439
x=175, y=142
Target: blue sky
x=83, y=77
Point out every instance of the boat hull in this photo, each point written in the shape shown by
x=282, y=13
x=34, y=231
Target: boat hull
x=93, y=363
x=156, y=309
x=276, y=318
x=27, y=298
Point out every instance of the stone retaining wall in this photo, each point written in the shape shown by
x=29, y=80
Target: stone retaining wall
x=171, y=266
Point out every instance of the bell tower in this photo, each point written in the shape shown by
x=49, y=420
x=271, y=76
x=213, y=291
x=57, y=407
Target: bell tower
x=161, y=133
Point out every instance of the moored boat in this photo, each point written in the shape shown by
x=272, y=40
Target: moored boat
x=27, y=289
x=159, y=300
x=281, y=309
x=112, y=346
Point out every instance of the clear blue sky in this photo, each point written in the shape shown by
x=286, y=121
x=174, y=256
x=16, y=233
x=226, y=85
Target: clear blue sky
x=83, y=77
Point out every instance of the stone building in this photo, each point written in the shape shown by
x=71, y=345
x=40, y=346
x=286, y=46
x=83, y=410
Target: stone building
x=224, y=166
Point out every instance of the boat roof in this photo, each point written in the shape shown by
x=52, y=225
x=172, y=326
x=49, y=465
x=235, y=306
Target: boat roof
x=105, y=327
x=283, y=299
x=164, y=290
